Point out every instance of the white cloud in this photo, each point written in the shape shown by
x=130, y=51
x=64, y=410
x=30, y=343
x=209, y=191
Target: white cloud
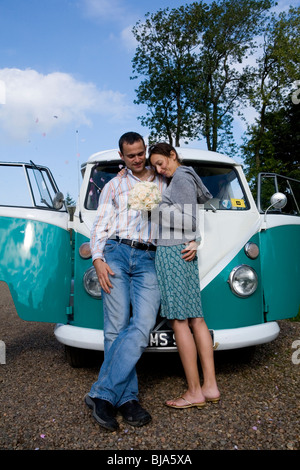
x=128, y=39
x=114, y=10
x=44, y=103
x=117, y=12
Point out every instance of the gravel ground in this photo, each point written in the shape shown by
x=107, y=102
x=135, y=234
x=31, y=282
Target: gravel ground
x=41, y=397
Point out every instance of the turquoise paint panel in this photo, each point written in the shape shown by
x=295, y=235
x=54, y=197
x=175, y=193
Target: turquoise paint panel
x=35, y=262
x=88, y=311
x=280, y=261
x=222, y=308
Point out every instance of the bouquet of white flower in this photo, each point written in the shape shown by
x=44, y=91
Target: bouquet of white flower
x=144, y=196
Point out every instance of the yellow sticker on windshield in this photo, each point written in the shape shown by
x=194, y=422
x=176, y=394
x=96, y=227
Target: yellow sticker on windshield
x=238, y=203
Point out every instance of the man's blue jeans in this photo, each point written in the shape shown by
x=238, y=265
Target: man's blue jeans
x=126, y=330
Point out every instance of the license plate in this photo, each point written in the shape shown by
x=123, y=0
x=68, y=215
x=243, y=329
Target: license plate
x=162, y=339
x=166, y=339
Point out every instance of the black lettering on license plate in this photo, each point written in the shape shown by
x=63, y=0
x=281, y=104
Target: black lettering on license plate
x=162, y=339
x=166, y=339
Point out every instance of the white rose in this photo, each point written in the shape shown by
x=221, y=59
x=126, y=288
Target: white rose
x=144, y=196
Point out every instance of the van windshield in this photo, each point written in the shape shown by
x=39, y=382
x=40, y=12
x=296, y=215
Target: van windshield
x=222, y=182
x=100, y=175
x=224, y=185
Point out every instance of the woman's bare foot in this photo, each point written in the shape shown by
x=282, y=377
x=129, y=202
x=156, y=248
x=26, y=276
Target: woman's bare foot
x=211, y=393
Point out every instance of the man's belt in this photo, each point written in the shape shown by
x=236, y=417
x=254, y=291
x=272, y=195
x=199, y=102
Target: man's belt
x=135, y=244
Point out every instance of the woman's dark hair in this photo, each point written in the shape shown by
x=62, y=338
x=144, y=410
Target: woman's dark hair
x=162, y=148
x=130, y=138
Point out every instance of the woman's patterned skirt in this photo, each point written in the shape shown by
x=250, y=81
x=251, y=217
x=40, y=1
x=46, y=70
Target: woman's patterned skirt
x=178, y=283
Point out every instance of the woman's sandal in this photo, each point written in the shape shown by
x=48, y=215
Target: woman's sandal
x=213, y=400
x=188, y=405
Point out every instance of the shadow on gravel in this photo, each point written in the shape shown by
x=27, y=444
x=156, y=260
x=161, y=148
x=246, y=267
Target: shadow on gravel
x=169, y=364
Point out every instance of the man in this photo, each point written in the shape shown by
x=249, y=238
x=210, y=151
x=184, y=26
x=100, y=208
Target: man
x=123, y=255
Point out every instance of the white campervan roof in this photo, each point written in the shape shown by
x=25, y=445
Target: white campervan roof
x=184, y=153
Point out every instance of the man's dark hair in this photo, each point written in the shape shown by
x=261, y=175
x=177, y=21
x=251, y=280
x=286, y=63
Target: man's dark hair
x=130, y=138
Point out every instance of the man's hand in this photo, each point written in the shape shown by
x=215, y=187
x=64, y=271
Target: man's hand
x=122, y=172
x=190, y=251
x=103, y=272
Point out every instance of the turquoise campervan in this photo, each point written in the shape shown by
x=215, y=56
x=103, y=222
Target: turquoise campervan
x=249, y=256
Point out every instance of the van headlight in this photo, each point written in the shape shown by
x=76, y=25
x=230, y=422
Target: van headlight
x=91, y=283
x=243, y=280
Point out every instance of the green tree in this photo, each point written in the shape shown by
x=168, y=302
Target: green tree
x=272, y=80
x=165, y=56
x=279, y=145
x=69, y=200
x=228, y=38
x=187, y=57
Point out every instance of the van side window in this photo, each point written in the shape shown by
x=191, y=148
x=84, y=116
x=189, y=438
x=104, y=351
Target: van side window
x=14, y=190
x=270, y=183
x=24, y=185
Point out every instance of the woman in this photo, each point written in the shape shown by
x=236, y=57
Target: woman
x=178, y=276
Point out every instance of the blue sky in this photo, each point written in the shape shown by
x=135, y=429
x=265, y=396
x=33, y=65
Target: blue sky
x=65, y=88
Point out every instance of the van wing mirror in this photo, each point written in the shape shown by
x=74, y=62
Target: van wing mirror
x=58, y=200
x=278, y=200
